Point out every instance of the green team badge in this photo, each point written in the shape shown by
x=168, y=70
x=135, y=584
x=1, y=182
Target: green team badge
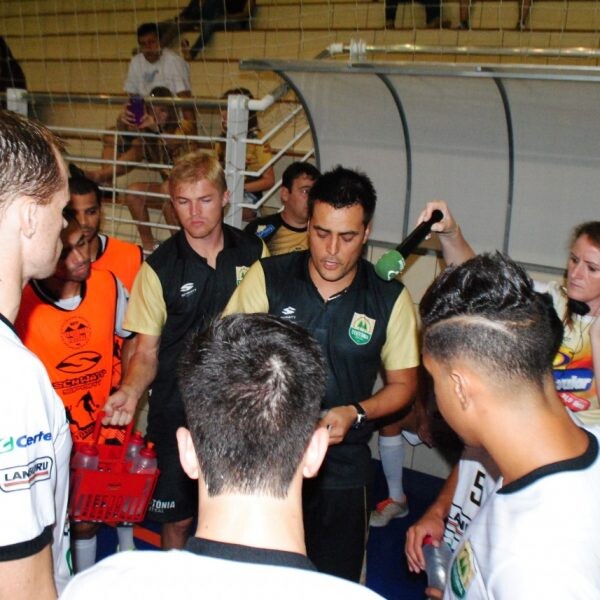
x=462, y=571
x=240, y=273
x=361, y=329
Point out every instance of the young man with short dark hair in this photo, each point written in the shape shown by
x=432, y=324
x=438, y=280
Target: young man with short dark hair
x=107, y=253
x=251, y=386
x=287, y=231
x=489, y=340
x=363, y=325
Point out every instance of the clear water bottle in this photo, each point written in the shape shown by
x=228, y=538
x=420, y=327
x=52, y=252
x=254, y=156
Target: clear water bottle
x=86, y=457
x=437, y=562
x=145, y=463
x=136, y=443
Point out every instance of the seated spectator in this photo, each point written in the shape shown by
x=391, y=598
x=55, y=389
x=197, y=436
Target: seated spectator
x=206, y=17
x=256, y=157
x=150, y=68
x=260, y=380
x=432, y=13
x=11, y=74
x=287, y=231
x=159, y=118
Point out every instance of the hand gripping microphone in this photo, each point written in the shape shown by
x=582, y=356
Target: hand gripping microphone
x=392, y=262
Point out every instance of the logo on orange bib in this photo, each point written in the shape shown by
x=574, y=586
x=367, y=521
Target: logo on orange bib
x=75, y=332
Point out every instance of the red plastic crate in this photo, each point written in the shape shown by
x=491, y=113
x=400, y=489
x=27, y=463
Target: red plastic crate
x=111, y=494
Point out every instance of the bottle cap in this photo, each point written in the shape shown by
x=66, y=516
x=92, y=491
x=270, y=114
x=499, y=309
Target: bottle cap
x=428, y=540
x=148, y=451
x=88, y=450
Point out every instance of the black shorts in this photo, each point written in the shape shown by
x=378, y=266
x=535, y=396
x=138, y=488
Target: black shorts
x=176, y=495
x=335, y=528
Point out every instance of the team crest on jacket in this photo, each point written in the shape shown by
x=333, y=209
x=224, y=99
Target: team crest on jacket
x=75, y=332
x=462, y=571
x=240, y=273
x=361, y=329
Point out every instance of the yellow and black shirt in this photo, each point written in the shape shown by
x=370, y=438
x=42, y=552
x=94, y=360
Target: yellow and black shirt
x=176, y=292
x=280, y=237
x=369, y=325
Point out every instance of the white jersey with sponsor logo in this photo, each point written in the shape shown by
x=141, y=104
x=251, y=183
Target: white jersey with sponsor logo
x=536, y=537
x=35, y=445
x=477, y=477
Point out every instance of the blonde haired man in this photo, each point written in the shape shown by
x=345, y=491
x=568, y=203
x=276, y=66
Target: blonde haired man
x=182, y=286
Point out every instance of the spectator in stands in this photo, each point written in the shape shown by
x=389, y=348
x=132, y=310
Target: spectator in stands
x=34, y=541
x=11, y=74
x=180, y=288
x=70, y=318
x=151, y=68
x=154, y=66
x=524, y=11
x=287, y=231
x=251, y=387
x=207, y=17
x=432, y=13
x=160, y=118
x=257, y=156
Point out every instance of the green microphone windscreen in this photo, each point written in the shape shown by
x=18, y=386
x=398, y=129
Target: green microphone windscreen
x=389, y=265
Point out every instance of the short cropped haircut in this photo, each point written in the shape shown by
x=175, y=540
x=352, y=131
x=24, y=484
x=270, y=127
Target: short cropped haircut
x=82, y=185
x=295, y=170
x=252, y=387
x=341, y=188
x=194, y=166
x=146, y=28
x=486, y=311
x=29, y=165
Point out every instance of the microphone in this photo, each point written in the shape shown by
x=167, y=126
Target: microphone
x=392, y=263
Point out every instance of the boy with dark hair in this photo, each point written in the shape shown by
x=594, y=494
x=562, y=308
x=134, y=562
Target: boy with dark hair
x=251, y=386
x=286, y=231
x=363, y=325
x=489, y=341
x=109, y=254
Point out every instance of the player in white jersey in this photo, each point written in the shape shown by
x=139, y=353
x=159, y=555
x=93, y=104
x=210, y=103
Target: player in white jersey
x=489, y=340
x=469, y=484
x=34, y=436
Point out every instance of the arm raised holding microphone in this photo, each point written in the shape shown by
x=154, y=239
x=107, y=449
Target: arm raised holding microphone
x=455, y=248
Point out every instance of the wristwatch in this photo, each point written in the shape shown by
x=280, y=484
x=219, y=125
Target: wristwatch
x=361, y=416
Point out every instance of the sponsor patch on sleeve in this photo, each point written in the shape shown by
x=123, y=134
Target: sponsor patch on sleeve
x=23, y=477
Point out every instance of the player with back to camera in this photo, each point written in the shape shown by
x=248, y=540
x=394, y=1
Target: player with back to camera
x=251, y=386
x=489, y=340
x=472, y=480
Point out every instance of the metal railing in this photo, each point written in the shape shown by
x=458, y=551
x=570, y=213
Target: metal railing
x=236, y=141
